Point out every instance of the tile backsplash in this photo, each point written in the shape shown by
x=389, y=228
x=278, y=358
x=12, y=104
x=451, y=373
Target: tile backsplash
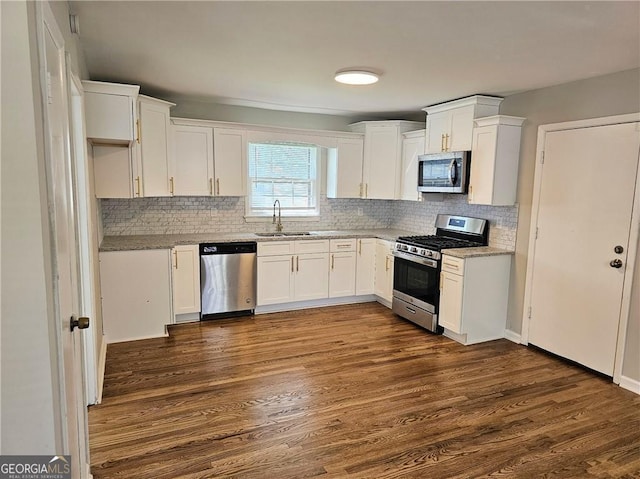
x=175, y=215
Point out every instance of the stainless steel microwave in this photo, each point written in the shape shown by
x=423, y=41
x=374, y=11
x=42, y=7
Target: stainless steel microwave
x=444, y=172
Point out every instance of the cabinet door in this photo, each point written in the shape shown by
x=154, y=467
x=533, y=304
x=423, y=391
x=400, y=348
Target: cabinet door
x=483, y=165
x=461, y=133
x=192, y=160
x=342, y=274
x=311, y=276
x=438, y=125
x=109, y=117
x=344, y=169
x=450, y=312
x=365, y=266
x=381, y=161
x=384, y=270
x=136, y=294
x=154, y=149
x=275, y=279
x=411, y=148
x=112, y=171
x=186, y=279
x=229, y=157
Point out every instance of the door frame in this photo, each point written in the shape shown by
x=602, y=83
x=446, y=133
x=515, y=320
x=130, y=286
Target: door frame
x=633, y=235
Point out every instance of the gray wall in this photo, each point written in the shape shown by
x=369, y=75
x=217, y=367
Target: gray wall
x=608, y=95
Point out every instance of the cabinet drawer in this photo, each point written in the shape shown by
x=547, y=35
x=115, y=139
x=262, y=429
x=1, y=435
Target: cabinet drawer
x=275, y=248
x=338, y=245
x=452, y=265
x=311, y=246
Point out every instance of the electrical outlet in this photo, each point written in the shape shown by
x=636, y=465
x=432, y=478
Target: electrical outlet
x=359, y=211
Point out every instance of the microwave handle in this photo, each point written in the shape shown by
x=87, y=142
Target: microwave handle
x=453, y=172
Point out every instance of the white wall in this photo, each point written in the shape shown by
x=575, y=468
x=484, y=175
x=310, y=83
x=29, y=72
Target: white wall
x=27, y=417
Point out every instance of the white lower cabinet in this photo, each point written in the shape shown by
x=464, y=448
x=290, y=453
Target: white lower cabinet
x=365, y=266
x=136, y=294
x=473, y=297
x=342, y=269
x=384, y=271
x=300, y=274
x=186, y=279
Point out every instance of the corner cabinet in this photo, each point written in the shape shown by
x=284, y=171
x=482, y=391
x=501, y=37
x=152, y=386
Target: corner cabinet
x=413, y=145
x=473, y=297
x=382, y=163
x=365, y=266
x=450, y=125
x=494, y=165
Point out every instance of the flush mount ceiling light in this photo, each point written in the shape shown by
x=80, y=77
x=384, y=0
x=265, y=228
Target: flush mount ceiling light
x=356, y=77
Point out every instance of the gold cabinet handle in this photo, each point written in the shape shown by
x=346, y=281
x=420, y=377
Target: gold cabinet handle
x=441, y=282
x=297, y=263
x=446, y=143
x=471, y=192
x=292, y=264
x=139, y=131
x=332, y=261
x=360, y=247
x=366, y=190
x=171, y=185
x=211, y=186
x=137, y=186
x=442, y=142
x=360, y=190
x=175, y=254
x=386, y=264
x=218, y=186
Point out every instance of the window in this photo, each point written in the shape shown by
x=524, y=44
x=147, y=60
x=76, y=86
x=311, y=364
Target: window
x=286, y=172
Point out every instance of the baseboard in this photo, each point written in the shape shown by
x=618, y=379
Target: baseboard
x=102, y=361
x=511, y=336
x=630, y=384
x=316, y=303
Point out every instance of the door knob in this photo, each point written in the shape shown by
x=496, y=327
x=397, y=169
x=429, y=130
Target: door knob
x=80, y=323
x=618, y=249
x=616, y=263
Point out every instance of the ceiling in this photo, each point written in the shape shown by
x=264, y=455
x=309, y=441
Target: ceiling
x=283, y=55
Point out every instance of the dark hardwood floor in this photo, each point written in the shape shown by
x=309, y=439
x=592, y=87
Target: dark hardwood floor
x=353, y=392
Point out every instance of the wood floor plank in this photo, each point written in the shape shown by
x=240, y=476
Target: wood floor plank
x=352, y=392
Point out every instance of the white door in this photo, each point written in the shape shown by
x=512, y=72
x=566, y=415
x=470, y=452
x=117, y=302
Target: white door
x=229, y=156
x=342, y=274
x=584, y=214
x=311, y=277
x=366, y=266
x=65, y=274
x=192, y=160
x=381, y=157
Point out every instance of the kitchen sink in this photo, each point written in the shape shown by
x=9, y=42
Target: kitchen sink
x=283, y=233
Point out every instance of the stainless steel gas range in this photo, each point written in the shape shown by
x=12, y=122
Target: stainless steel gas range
x=416, y=276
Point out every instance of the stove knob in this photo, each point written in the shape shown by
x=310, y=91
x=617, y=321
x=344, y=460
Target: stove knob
x=423, y=252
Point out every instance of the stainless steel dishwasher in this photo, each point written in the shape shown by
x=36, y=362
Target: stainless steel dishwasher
x=227, y=279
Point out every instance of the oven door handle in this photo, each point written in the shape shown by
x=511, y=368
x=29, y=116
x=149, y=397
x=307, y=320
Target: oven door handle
x=416, y=259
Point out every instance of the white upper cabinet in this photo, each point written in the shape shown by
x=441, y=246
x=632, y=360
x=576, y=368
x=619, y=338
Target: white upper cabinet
x=192, y=160
x=154, y=147
x=344, y=168
x=110, y=112
x=413, y=145
x=450, y=125
x=495, y=159
x=230, y=156
x=382, y=165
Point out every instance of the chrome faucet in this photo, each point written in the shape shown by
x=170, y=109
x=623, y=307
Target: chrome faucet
x=279, y=223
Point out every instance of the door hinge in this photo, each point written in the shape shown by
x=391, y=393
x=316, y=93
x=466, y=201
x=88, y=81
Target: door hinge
x=529, y=313
x=542, y=158
x=536, y=233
